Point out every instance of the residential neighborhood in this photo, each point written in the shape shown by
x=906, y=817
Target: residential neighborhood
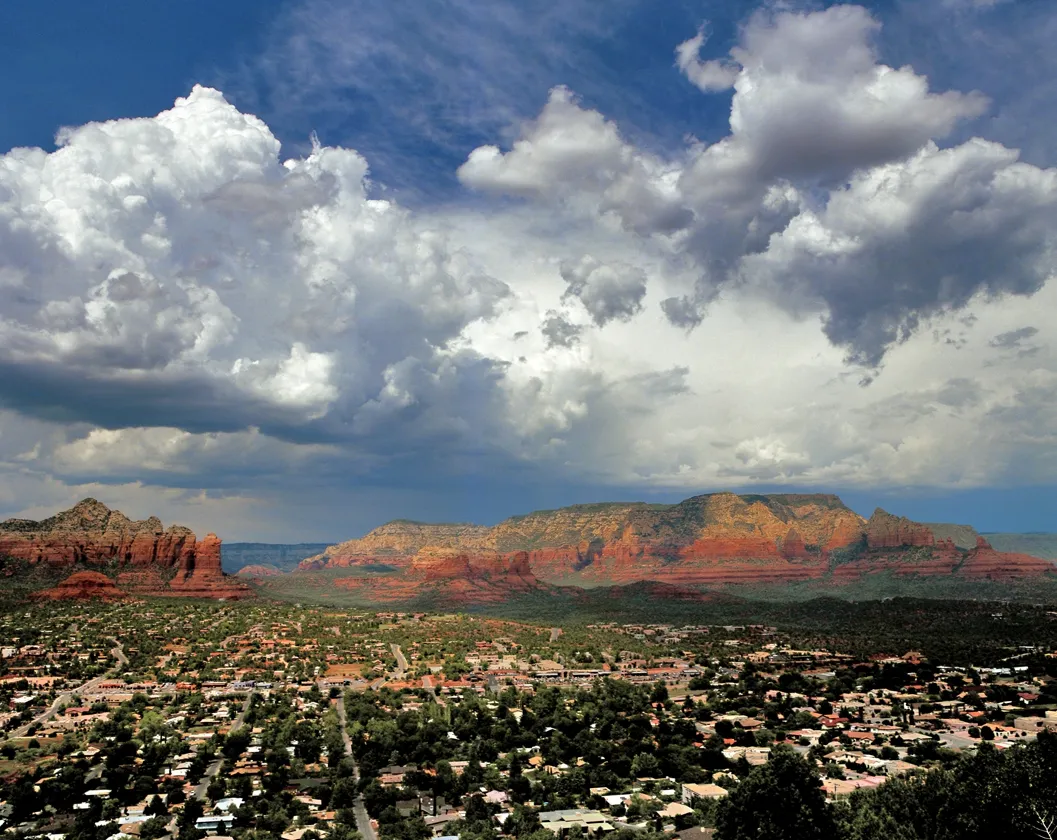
x=213, y=722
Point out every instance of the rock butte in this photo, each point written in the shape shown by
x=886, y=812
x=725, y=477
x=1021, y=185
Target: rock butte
x=82, y=586
x=144, y=557
x=719, y=538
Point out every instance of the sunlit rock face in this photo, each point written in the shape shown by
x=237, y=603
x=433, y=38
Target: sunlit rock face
x=143, y=556
x=715, y=539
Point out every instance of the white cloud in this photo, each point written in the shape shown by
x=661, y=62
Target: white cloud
x=181, y=307
x=812, y=101
x=708, y=76
x=829, y=148
x=982, y=221
x=178, y=253
x=577, y=158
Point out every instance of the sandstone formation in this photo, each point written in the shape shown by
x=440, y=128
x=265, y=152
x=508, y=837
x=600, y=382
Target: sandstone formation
x=715, y=539
x=200, y=575
x=143, y=556
x=886, y=531
x=452, y=579
x=984, y=563
x=82, y=586
x=91, y=534
x=257, y=571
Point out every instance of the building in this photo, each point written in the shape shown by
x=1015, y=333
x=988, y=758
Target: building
x=592, y=822
x=699, y=791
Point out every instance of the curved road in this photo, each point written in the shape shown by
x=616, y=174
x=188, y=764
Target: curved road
x=401, y=662
x=363, y=819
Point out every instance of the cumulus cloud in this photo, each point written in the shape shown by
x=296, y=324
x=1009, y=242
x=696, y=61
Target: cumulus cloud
x=181, y=306
x=829, y=196
x=608, y=291
x=138, y=453
x=576, y=157
x=812, y=100
x=179, y=256
x=908, y=240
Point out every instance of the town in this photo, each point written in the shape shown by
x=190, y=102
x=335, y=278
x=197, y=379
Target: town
x=154, y=719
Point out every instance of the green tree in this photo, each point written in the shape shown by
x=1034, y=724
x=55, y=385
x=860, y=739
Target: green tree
x=156, y=807
x=781, y=800
x=645, y=765
x=153, y=828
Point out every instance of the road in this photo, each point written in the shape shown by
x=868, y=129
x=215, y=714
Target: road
x=363, y=819
x=214, y=768
x=63, y=699
x=401, y=662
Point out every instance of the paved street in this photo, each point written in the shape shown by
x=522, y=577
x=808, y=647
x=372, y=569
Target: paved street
x=118, y=652
x=214, y=768
x=401, y=662
x=363, y=820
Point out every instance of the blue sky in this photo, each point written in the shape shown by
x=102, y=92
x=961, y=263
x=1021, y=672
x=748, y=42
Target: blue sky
x=418, y=102
x=528, y=329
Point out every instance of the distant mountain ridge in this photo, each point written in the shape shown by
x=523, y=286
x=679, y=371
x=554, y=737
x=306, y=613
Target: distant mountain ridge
x=1039, y=544
x=963, y=536
x=713, y=539
x=283, y=556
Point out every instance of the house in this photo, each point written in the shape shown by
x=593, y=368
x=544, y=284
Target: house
x=1034, y=724
x=407, y=807
x=692, y=791
x=674, y=809
x=591, y=822
x=439, y=825
x=211, y=822
x=837, y=788
x=899, y=768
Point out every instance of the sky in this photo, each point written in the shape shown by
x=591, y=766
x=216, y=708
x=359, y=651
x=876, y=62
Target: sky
x=287, y=269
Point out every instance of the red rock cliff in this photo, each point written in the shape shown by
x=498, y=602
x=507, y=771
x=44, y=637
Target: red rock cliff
x=712, y=539
x=883, y=530
x=706, y=539
x=145, y=556
x=984, y=563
